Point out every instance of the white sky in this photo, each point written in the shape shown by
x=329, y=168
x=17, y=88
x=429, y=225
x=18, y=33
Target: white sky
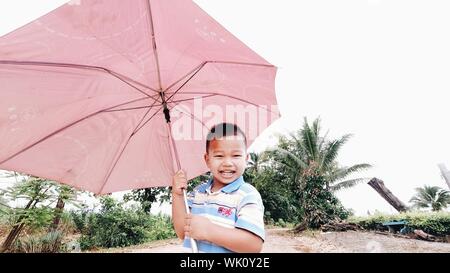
x=377, y=69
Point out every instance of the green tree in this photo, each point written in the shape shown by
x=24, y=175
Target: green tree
x=308, y=161
x=116, y=225
x=308, y=146
x=432, y=197
x=39, y=195
x=148, y=196
x=33, y=191
x=66, y=194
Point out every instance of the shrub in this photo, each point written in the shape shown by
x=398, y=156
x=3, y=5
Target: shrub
x=161, y=228
x=435, y=223
x=115, y=226
x=48, y=243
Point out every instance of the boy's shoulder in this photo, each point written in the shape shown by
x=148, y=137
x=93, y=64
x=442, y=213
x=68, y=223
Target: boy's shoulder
x=248, y=189
x=201, y=187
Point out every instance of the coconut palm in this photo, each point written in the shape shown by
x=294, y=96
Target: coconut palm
x=256, y=161
x=308, y=147
x=432, y=197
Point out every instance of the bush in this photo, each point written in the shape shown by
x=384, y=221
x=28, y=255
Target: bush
x=319, y=206
x=48, y=243
x=435, y=223
x=116, y=226
x=161, y=228
x=80, y=219
x=279, y=201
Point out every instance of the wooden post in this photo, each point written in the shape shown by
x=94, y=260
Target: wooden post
x=379, y=186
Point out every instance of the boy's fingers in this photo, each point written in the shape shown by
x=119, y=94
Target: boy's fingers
x=187, y=228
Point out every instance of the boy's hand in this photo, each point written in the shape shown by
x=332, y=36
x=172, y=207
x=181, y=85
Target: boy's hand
x=179, y=182
x=197, y=227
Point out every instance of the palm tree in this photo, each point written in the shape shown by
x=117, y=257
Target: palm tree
x=308, y=147
x=432, y=197
x=336, y=177
x=256, y=162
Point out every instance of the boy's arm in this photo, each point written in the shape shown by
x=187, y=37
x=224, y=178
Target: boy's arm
x=235, y=239
x=179, y=182
x=178, y=214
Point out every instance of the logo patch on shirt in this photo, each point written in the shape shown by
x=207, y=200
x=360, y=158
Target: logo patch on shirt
x=225, y=211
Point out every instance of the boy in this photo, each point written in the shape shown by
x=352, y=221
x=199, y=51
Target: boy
x=226, y=213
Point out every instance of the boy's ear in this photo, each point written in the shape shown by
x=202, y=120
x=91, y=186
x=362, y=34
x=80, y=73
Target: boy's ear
x=247, y=157
x=206, y=157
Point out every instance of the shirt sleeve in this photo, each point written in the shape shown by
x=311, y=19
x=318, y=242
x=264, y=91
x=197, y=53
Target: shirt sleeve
x=250, y=214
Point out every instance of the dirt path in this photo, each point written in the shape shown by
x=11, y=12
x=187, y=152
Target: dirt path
x=282, y=241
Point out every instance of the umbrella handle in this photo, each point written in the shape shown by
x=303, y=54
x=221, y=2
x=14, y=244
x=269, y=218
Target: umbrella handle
x=193, y=242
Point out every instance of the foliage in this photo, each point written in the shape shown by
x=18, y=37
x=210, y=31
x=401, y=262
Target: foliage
x=116, y=226
x=436, y=223
x=319, y=206
x=146, y=197
x=80, y=219
x=297, y=179
x=160, y=228
x=308, y=146
x=40, y=195
x=37, y=193
x=432, y=197
x=279, y=201
x=48, y=243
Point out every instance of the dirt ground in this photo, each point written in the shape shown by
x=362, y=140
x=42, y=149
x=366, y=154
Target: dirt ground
x=282, y=241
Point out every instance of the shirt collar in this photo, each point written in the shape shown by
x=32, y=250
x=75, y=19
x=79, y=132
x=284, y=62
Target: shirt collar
x=233, y=186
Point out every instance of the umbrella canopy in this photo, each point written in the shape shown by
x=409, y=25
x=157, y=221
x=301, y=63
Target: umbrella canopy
x=87, y=90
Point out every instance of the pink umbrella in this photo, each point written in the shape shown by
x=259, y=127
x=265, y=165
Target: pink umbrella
x=88, y=92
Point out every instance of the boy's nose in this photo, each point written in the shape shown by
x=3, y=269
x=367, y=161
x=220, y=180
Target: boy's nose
x=227, y=161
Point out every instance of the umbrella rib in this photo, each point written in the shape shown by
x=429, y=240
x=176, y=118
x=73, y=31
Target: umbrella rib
x=154, y=114
x=218, y=62
x=192, y=116
x=135, y=108
x=65, y=127
x=153, y=38
x=201, y=97
x=124, y=147
x=189, y=73
x=140, y=122
x=190, y=78
x=228, y=96
x=119, y=76
x=132, y=108
x=241, y=63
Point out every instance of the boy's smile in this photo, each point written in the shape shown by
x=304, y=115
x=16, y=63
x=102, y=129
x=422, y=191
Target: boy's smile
x=227, y=159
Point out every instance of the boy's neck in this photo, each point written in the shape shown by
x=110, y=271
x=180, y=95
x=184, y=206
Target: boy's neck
x=216, y=186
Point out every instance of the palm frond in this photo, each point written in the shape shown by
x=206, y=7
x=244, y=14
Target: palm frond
x=332, y=150
x=431, y=197
x=339, y=173
x=290, y=155
x=347, y=184
x=310, y=139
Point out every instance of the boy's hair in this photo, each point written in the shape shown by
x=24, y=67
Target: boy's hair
x=222, y=130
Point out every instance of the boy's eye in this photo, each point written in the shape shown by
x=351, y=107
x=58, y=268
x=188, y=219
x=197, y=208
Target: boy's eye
x=237, y=155
x=218, y=156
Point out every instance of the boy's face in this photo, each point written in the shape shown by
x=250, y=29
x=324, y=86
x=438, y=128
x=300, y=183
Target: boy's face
x=226, y=158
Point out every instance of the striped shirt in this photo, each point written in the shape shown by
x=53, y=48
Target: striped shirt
x=237, y=205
